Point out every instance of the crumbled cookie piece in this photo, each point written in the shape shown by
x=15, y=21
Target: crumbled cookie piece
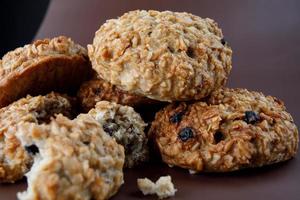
x=126, y=126
x=47, y=65
x=167, y=56
x=16, y=159
x=76, y=160
x=236, y=129
x=163, y=187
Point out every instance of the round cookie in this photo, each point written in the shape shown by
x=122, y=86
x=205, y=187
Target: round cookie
x=97, y=89
x=46, y=65
x=76, y=160
x=15, y=159
x=127, y=127
x=167, y=56
x=237, y=129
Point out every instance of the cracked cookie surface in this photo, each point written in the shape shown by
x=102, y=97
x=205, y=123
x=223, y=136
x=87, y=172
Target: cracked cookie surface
x=16, y=159
x=236, y=129
x=76, y=160
x=167, y=56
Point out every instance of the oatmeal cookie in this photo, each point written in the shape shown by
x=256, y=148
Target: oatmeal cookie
x=76, y=160
x=46, y=65
x=97, y=89
x=236, y=129
x=167, y=56
x=15, y=159
x=126, y=126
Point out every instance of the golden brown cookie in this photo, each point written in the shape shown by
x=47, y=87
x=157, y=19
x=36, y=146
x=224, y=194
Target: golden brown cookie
x=236, y=129
x=167, y=56
x=97, y=89
x=76, y=160
x=47, y=65
x=15, y=159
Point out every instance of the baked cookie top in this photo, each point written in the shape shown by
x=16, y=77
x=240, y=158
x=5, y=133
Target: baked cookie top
x=236, y=129
x=242, y=100
x=127, y=127
x=166, y=55
x=44, y=66
x=23, y=57
x=16, y=159
x=97, y=89
x=76, y=160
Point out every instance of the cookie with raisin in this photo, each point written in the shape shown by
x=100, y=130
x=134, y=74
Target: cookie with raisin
x=127, y=127
x=76, y=160
x=235, y=129
x=16, y=159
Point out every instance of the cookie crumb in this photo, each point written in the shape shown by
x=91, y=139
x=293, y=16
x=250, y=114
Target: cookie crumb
x=192, y=171
x=163, y=187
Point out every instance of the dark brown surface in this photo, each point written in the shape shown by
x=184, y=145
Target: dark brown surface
x=265, y=37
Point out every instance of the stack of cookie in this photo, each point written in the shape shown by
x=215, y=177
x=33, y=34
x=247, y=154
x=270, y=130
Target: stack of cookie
x=140, y=60
x=66, y=155
x=182, y=58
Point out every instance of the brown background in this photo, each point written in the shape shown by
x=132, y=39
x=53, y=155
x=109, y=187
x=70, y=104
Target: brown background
x=265, y=38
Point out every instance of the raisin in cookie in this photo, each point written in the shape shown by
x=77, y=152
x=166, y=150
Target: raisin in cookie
x=167, y=56
x=126, y=126
x=236, y=129
x=46, y=65
x=16, y=159
x=97, y=89
x=76, y=160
